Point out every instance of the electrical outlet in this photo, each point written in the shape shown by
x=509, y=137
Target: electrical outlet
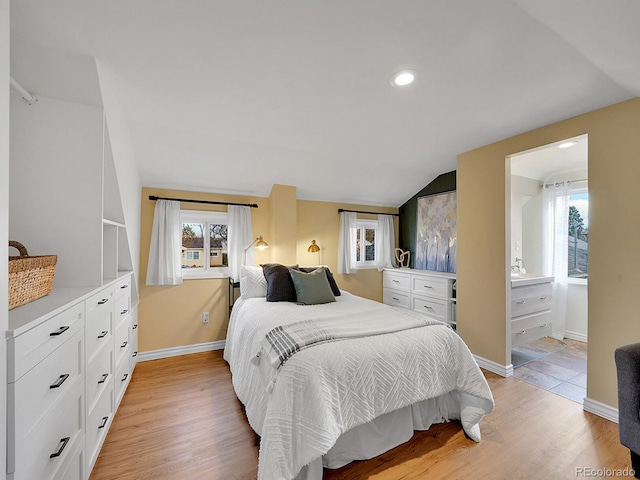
x=205, y=317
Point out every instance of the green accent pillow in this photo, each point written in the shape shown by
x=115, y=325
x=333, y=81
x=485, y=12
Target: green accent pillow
x=312, y=288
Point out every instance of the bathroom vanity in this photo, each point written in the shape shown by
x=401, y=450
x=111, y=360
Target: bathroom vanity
x=531, y=301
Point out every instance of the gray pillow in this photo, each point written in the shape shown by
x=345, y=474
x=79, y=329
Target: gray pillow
x=312, y=288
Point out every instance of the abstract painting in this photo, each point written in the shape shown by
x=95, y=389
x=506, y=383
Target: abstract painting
x=436, y=244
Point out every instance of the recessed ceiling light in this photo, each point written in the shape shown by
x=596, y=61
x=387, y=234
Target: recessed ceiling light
x=568, y=144
x=403, y=78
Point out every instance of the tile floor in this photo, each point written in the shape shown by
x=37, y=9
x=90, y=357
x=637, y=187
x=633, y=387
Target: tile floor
x=557, y=366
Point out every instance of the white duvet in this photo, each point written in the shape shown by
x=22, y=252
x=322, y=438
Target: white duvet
x=325, y=390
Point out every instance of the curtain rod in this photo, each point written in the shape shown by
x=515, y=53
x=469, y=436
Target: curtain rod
x=252, y=205
x=370, y=213
x=547, y=185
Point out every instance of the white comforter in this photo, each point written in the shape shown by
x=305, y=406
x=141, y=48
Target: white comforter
x=323, y=391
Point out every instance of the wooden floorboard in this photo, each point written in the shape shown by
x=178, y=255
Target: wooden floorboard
x=180, y=419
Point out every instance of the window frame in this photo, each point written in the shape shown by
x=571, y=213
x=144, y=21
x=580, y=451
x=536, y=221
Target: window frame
x=363, y=225
x=207, y=218
x=578, y=190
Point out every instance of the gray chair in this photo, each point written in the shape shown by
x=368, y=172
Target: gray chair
x=628, y=369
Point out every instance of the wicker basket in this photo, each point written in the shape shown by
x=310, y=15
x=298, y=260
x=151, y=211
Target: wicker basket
x=29, y=277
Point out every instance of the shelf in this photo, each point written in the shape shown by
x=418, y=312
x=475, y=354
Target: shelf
x=112, y=223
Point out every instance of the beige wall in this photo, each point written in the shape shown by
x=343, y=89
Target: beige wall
x=614, y=256
x=320, y=221
x=172, y=316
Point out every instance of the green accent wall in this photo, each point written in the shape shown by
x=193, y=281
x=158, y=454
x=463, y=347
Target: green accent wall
x=408, y=211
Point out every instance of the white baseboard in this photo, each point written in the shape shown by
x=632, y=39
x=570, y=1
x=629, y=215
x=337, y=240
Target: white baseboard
x=502, y=370
x=600, y=409
x=580, y=337
x=183, y=350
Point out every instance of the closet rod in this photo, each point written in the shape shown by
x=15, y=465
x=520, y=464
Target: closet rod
x=209, y=202
x=370, y=213
x=29, y=98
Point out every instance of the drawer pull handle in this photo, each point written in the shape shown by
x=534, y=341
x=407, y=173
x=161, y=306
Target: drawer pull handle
x=134, y=327
x=104, y=422
x=521, y=332
x=103, y=334
x=60, y=331
x=428, y=307
x=396, y=299
x=64, y=442
x=395, y=281
x=60, y=381
x=134, y=354
x=125, y=286
x=520, y=302
x=126, y=375
x=543, y=298
x=103, y=378
x=124, y=311
x=543, y=325
x=427, y=286
x=103, y=301
x=124, y=344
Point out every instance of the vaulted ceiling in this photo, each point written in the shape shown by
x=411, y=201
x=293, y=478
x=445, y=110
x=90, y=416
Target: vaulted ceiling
x=234, y=96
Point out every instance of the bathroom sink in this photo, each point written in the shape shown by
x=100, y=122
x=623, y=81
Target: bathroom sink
x=520, y=279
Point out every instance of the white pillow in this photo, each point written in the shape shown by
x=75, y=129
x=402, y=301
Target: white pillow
x=252, y=282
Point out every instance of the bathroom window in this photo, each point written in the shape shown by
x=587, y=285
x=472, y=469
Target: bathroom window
x=578, y=258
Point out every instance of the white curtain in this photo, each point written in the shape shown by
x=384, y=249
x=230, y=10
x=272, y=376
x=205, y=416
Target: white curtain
x=555, y=199
x=165, y=251
x=239, y=237
x=346, y=240
x=385, y=243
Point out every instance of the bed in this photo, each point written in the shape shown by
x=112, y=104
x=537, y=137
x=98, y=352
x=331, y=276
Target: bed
x=352, y=399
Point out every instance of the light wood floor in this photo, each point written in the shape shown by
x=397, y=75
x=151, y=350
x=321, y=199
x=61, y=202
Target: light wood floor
x=180, y=419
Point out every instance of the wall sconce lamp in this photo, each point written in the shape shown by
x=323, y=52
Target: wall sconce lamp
x=259, y=243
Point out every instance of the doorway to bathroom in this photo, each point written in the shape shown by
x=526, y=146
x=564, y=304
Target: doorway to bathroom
x=549, y=237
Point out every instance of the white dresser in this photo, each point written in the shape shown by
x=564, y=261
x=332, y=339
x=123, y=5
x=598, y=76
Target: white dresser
x=432, y=293
x=70, y=359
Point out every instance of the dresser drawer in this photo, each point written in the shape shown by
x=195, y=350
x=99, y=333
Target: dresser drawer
x=42, y=452
x=123, y=287
x=122, y=342
x=97, y=425
x=431, y=286
x=37, y=393
x=519, y=337
x=33, y=346
x=99, y=323
x=530, y=299
x=535, y=320
x=99, y=377
x=73, y=468
x=395, y=298
x=430, y=306
x=123, y=309
x=122, y=378
x=396, y=281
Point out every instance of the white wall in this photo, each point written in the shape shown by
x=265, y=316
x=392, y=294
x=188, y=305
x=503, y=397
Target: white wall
x=532, y=233
x=523, y=190
x=56, y=150
x=577, y=312
x=4, y=223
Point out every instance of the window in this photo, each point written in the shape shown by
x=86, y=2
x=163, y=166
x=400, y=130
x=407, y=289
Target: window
x=202, y=232
x=578, y=258
x=364, y=238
